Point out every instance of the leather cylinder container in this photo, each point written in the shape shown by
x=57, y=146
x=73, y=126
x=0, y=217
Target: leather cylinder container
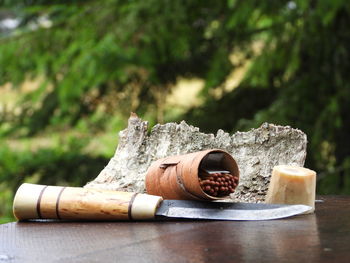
x=177, y=177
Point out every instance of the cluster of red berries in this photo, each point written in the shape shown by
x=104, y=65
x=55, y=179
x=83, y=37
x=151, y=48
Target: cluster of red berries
x=218, y=184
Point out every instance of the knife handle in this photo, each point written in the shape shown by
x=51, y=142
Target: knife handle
x=33, y=201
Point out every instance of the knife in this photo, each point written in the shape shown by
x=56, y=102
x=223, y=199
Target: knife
x=34, y=201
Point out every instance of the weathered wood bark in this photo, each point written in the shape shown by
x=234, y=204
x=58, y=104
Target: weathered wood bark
x=256, y=152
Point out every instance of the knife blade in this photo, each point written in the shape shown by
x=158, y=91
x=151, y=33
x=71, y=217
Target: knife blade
x=75, y=203
x=227, y=210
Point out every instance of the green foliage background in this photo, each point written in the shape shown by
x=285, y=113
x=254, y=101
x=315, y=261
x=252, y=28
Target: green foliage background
x=95, y=61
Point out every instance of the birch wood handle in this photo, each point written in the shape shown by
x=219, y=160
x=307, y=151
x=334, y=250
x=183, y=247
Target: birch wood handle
x=34, y=201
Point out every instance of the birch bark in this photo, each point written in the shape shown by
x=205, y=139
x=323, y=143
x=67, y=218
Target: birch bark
x=256, y=152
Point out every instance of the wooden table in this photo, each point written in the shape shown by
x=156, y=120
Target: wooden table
x=320, y=237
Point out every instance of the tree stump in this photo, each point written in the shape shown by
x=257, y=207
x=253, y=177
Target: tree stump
x=256, y=153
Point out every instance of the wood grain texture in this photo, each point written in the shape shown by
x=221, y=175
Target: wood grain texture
x=320, y=237
x=93, y=204
x=56, y=202
x=49, y=202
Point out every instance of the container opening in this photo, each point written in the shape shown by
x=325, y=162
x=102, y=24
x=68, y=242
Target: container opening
x=214, y=163
x=218, y=174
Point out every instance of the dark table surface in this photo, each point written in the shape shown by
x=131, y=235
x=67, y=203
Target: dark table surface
x=320, y=237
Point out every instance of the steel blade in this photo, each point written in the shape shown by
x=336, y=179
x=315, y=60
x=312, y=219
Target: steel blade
x=227, y=210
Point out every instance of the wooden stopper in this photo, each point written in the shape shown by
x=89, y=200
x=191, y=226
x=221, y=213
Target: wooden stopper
x=75, y=203
x=292, y=185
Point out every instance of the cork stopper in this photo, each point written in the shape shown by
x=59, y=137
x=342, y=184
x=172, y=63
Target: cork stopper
x=292, y=185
